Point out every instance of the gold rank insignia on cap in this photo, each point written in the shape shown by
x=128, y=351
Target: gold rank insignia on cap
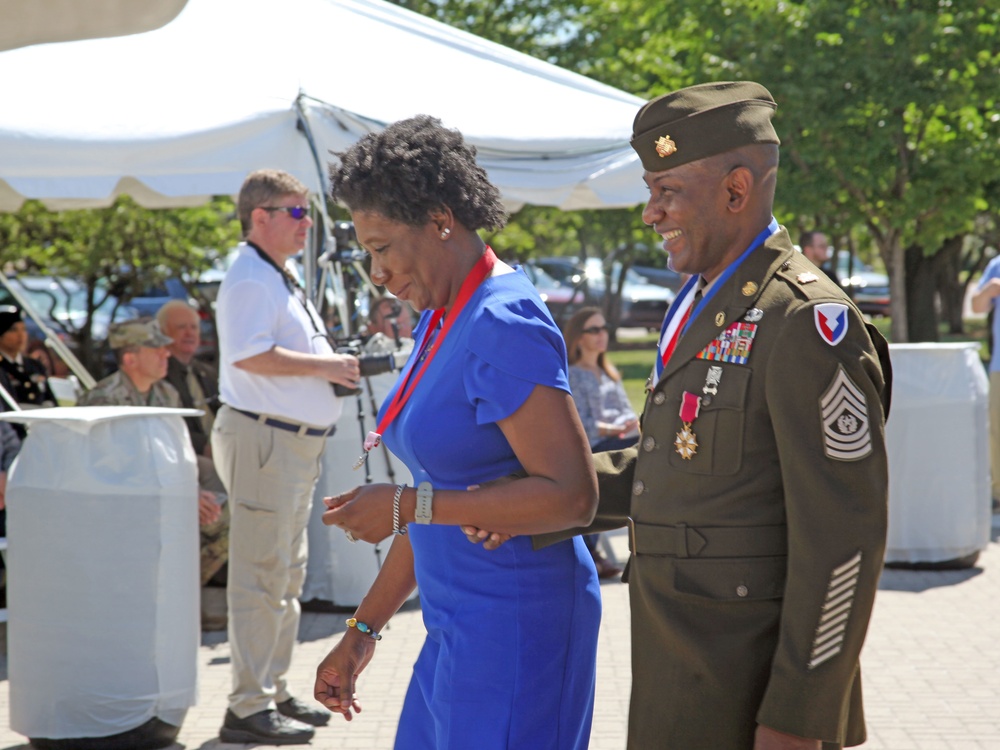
x=749, y=288
x=665, y=146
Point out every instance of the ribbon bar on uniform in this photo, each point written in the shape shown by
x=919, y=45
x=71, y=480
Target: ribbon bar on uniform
x=707, y=541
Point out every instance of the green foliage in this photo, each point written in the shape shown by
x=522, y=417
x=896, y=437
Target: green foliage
x=888, y=110
x=122, y=250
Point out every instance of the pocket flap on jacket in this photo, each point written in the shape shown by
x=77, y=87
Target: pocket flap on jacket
x=743, y=578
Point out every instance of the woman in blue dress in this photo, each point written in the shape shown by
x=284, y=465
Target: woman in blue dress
x=509, y=658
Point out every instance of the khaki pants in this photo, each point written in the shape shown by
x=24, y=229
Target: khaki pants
x=270, y=475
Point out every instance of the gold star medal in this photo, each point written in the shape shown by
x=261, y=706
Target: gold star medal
x=665, y=146
x=687, y=442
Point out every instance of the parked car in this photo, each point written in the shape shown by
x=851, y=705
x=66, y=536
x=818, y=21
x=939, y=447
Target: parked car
x=868, y=288
x=561, y=299
x=644, y=305
x=61, y=303
x=661, y=276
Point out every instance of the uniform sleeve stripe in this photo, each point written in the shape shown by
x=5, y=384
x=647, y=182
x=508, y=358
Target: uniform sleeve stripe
x=854, y=562
x=828, y=639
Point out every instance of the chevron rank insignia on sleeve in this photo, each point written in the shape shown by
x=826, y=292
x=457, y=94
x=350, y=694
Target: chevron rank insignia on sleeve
x=846, y=426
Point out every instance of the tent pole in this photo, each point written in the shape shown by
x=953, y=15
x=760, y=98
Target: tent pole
x=321, y=239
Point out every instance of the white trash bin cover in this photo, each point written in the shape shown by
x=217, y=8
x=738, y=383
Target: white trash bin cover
x=103, y=571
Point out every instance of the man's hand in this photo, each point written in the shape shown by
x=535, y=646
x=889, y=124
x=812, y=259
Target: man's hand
x=771, y=739
x=342, y=369
x=208, y=510
x=489, y=539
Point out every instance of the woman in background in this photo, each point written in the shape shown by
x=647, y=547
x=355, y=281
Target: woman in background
x=600, y=399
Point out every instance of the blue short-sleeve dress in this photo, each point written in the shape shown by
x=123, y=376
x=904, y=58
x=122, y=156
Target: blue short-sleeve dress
x=509, y=659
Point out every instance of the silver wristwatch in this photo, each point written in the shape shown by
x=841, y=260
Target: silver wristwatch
x=425, y=500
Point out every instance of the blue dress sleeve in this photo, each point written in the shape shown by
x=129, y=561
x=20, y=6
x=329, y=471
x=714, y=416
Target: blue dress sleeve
x=513, y=347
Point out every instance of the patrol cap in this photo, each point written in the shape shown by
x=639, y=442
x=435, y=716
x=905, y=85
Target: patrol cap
x=701, y=121
x=9, y=315
x=142, y=332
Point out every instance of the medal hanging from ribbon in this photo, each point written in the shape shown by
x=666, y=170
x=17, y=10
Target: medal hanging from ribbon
x=482, y=269
x=687, y=442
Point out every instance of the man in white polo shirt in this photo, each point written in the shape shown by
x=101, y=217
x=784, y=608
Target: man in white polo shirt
x=275, y=382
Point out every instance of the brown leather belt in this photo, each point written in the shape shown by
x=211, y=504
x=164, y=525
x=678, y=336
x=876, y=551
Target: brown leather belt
x=707, y=541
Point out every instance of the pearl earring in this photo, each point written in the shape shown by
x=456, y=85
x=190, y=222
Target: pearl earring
x=445, y=232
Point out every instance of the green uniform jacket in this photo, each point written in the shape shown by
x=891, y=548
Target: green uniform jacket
x=755, y=561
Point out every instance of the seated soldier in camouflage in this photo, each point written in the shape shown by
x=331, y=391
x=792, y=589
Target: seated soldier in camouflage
x=141, y=350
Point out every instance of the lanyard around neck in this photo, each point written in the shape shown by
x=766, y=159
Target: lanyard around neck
x=482, y=269
x=290, y=283
x=692, y=310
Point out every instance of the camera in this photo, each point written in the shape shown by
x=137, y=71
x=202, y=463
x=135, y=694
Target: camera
x=346, y=241
x=370, y=364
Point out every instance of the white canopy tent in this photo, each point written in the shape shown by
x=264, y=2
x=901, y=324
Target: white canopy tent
x=176, y=115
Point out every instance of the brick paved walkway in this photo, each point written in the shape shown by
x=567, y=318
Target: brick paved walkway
x=931, y=662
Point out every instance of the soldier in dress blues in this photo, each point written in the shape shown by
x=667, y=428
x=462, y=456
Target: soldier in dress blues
x=24, y=377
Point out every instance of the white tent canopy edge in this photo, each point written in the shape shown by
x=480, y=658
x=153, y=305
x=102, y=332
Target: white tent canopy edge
x=153, y=115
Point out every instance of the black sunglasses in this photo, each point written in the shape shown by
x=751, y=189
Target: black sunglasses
x=595, y=329
x=296, y=212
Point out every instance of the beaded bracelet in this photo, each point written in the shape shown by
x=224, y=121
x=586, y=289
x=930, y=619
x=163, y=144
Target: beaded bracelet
x=364, y=627
x=395, y=512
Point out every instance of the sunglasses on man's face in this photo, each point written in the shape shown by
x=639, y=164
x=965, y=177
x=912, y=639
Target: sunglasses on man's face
x=594, y=330
x=296, y=212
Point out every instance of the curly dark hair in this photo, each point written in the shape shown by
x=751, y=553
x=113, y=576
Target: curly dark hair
x=413, y=167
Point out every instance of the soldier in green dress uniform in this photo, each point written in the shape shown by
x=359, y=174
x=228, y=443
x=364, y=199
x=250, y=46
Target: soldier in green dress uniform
x=756, y=497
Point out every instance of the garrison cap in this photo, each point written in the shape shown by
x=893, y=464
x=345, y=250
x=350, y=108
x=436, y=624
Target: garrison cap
x=142, y=332
x=701, y=121
x=9, y=315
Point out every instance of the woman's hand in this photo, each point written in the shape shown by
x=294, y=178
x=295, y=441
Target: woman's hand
x=365, y=511
x=336, y=674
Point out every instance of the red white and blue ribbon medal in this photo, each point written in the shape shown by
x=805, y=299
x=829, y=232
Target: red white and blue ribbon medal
x=482, y=269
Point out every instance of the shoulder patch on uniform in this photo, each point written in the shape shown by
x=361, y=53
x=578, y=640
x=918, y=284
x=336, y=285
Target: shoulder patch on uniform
x=831, y=322
x=847, y=432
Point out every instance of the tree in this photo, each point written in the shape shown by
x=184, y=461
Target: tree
x=887, y=109
x=118, y=251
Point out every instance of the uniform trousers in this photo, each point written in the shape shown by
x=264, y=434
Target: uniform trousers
x=270, y=475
